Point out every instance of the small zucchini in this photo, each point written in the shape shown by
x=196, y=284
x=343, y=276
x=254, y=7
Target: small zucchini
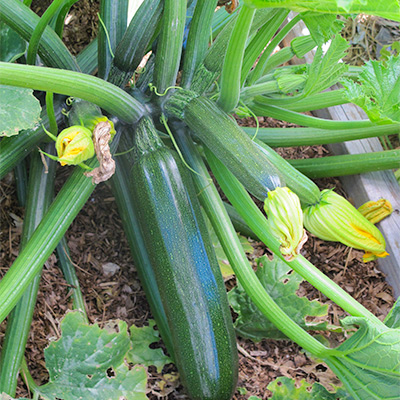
x=186, y=271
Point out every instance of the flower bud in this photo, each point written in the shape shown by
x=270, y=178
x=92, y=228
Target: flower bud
x=376, y=211
x=336, y=220
x=285, y=220
x=74, y=145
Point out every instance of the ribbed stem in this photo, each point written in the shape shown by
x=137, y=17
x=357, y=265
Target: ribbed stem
x=306, y=120
x=114, y=14
x=107, y=96
x=232, y=68
x=348, y=164
x=40, y=194
x=258, y=70
x=197, y=42
x=278, y=137
x=261, y=40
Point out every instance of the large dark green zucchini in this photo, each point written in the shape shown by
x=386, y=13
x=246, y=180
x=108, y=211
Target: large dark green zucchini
x=185, y=268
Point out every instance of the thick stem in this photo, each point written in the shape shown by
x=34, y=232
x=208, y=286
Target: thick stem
x=232, y=68
x=107, y=96
x=305, y=120
x=348, y=164
x=278, y=137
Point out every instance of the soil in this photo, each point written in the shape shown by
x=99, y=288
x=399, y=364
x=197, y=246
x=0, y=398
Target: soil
x=96, y=238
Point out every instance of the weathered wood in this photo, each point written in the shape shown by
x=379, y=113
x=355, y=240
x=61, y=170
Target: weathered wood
x=368, y=186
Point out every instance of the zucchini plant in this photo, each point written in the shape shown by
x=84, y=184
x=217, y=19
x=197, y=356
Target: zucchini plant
x=158, y=115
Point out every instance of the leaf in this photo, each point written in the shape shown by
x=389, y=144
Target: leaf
x=12, y=46
x=368, y=362
x=281, y=283
x=322, y=27
x=392, y=320
x=378, y=93
x=325, y=70
x=141, y=353
x=88, y=363
x=389, y=9
x=283, y=388
x=19, y=110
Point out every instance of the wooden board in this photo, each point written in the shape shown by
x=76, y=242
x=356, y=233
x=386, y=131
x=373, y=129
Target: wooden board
x=368, y=186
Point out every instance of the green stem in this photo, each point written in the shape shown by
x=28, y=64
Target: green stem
x=114, y=14
x=169, y=47
x=44, y=240
x=59, y=26
x=231, y=70
x=348, y=164
x=257, y=222
x=40, y=193
x=24, y=21
x=211, y=201
x=50, y=113
x=261, y=40
x=258, y=70
x=21, y=180
x=197, y=42
x=40, y=27
x=68, y=269
x=313, y=102
x=107, y=96
x=288, y=137
x=305, y=120
x=27, y=377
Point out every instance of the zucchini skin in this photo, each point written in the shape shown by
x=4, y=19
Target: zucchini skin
x=186, y=271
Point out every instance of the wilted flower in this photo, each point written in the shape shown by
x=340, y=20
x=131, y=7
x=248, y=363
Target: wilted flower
x=285, y=220
x=376, y=211
x=335, y=219
x=91, y=123
x=74, y=145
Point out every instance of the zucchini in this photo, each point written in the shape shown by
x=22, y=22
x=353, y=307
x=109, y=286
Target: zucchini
x=185, y=268
x=254, y=164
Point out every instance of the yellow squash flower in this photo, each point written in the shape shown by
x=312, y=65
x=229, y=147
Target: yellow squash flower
x=285, y=220
x=376, y=211
x=74, y=145
x=336, y=220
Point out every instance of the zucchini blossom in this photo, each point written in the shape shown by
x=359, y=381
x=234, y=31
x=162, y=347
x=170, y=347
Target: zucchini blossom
x=74, y=145
x=333, y=218
x=376, y=211
x=285, y=220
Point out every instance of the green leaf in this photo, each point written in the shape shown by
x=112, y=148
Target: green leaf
x=389, y=9
x=88, y=363
x=12, y=46
x=141, y=353
x=281, y=283
x=322, y=27
x=368, y=362
x=19, y=110
x=392, y=320
x=283, y=388
x=378, y=93
x=325, y=70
